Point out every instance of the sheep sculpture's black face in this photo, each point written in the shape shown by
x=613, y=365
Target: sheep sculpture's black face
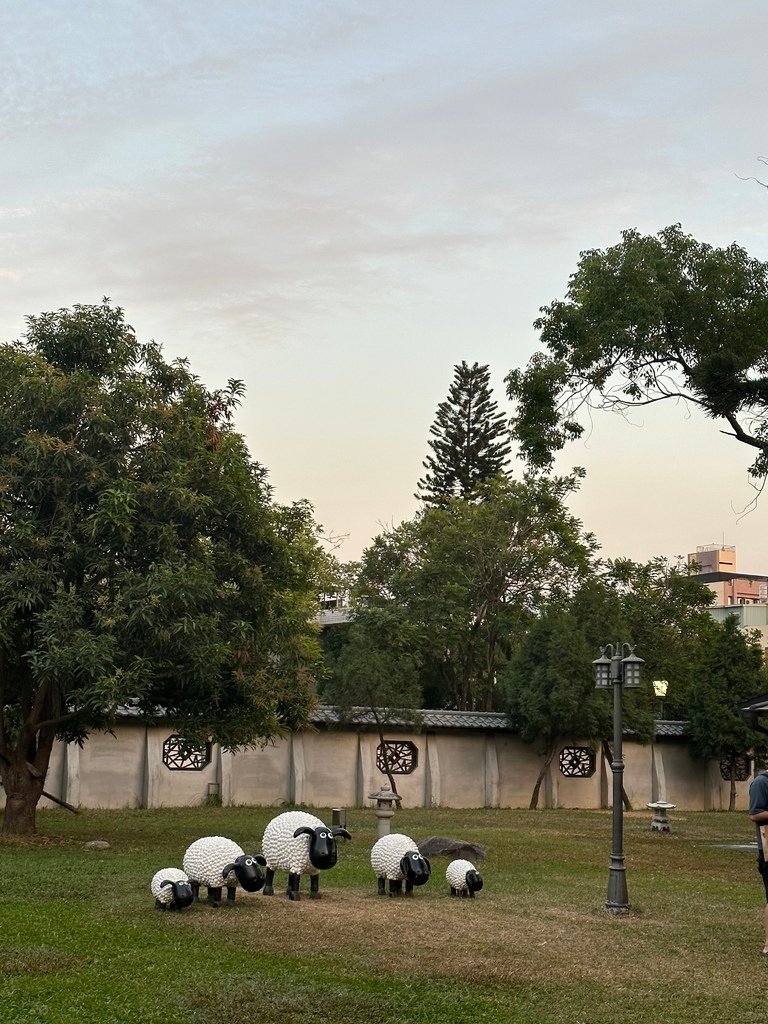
x=247, y=871
x=322, y=844
x=474, y=881
x=182, y=893
x=415, y=868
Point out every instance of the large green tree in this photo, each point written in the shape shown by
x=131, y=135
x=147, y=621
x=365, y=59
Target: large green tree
x=655, y=317
x=730, y=668
x=377, y=669
x=549, y=685
x=471, y=574
x=549, y=688
x=664, y=611
x=142, y=559
x=470, y=439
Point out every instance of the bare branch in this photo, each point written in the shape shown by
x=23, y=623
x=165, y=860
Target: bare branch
x=751, y=505
x=751, y=177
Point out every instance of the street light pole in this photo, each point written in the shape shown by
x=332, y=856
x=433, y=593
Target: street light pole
x=621, y=669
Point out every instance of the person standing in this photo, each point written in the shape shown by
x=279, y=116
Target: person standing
x=758, y=812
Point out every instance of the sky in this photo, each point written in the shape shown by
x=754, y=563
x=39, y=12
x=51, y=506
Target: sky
x=337, y=202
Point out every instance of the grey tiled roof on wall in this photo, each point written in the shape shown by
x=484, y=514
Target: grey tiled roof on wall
x=429, y=719
x=664, y=728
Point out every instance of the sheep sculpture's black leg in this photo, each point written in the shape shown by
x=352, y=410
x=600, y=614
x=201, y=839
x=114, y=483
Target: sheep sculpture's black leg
x=160, y=906
x=231, y=893
x=314, y=887
x=395, y=887
x=454, y=892
x=195, y=891
x=382, y=887
x=269, y=888
x=408, y=888
x=472, y=895
x=293, y=887
x=214, y=895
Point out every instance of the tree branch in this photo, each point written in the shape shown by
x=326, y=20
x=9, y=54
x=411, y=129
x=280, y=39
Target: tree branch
x=740, y=434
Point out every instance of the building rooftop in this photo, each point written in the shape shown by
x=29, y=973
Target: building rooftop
x=723, y=577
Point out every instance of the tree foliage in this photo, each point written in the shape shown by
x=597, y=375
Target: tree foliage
x=471, y=575
x=549, y=685
x=731, y=667
x=655, y=317
x=378, y=669
x=664, y=612
x=142, y=559
x=470, y=439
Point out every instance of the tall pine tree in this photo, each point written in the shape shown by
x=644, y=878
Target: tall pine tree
x=470, y=439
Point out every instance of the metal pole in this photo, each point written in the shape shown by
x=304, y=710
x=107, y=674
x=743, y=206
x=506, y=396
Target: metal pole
x=617, y=899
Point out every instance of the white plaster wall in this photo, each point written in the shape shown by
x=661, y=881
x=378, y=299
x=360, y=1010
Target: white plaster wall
x=164, y=788
x=461, y=760
x=330, y=764
x=638, y=773
x=111, y=770
x=261, y=775
x=338, y=768
x=519, y=766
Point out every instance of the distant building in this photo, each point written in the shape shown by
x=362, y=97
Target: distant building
x=739, y=595
x=717, y=568
x=334, y=610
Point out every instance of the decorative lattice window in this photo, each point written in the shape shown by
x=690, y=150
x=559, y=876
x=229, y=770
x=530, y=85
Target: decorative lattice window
x=181, y=755
x=402, y=757
x=577, y=762
x=735, y=769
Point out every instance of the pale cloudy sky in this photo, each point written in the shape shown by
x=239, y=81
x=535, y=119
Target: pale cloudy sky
x=338, y=201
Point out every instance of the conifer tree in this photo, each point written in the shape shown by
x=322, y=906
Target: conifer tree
x=470, y=440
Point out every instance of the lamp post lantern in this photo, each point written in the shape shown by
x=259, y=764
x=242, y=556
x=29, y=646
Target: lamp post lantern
x=617, y=667
x=660, y=687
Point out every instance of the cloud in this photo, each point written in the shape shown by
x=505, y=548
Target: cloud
x=317, y=195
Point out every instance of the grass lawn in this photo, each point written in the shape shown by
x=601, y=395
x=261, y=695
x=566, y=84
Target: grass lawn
x=80, y=942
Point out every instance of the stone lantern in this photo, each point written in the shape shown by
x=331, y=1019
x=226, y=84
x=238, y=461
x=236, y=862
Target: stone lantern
x=386, y=802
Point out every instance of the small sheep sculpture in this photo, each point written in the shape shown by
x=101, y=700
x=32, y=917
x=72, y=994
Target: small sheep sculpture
x=463, y=878
x=172, y=889
x=396, y=858
x=214, y=861
x=299, y=843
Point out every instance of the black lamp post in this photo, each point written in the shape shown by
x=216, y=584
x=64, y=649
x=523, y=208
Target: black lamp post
x=617, y=667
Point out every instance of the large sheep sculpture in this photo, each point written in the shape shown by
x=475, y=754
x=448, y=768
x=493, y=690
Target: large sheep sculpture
x=299, y=843
x=395, y=858
x=463, y=878
x=214, y=861
x=172, y=889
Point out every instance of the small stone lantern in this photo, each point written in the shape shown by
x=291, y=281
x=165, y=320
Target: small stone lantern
x=660, y=822
x=386, y=801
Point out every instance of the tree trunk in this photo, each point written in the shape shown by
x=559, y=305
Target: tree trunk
x=536, y=789
x=732, y=794
x=608, y=755
x=383, y=742
x=22, y=793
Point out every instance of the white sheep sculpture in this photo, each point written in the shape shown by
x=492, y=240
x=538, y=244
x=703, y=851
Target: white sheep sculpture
x=299, y=843
x=395, y=858
x=215, y=861
x=463, y=878
x=171, y=889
